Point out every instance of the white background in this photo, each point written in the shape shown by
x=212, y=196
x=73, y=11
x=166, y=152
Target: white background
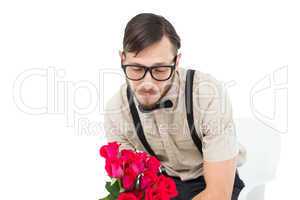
x=47, y=152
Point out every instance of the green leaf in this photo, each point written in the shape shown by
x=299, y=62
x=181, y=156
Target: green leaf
x=113, y=188
x=107, y=186
x=108, y=197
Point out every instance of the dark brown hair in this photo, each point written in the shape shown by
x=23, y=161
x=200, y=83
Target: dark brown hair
x=146, y=29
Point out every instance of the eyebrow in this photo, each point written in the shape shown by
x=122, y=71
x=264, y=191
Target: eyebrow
x=154, y=64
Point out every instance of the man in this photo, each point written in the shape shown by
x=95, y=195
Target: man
x=154, y=112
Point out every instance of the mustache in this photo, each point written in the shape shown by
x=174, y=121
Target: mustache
x=150, y=91
x=147, y=88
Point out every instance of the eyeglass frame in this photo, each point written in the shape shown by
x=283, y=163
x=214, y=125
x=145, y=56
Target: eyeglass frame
x=150, y=68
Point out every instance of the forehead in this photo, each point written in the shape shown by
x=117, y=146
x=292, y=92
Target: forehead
x=162, y=51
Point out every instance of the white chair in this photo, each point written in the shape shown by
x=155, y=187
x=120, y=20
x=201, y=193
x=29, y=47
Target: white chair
x=263, y=146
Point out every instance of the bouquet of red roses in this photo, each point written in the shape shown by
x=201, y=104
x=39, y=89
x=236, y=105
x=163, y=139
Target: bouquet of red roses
x=135, y=175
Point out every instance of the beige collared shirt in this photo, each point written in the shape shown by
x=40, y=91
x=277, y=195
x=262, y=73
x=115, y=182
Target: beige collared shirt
x=167, y=131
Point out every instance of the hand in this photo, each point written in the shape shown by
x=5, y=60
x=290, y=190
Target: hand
x=201, y=196
x=208, y=195
x=198, y=197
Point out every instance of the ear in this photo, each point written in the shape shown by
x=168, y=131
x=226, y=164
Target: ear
x=178, y=60
x=122, y=55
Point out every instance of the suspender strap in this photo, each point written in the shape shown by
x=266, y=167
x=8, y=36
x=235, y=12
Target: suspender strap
x=137, y=122
x=190, y=118
x=189, y=109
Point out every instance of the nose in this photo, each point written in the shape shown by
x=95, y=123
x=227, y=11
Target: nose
x=148, y=77
x=147, y=81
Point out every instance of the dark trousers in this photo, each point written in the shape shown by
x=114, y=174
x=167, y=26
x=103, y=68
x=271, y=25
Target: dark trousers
x=187, y=190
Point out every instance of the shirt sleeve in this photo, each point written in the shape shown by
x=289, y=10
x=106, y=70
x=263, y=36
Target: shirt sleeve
x=218, y=128
x=114, y=132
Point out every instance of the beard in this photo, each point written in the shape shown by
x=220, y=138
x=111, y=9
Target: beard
x=148, y=98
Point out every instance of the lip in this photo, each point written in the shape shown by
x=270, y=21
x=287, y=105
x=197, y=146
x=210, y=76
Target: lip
x=146, y=93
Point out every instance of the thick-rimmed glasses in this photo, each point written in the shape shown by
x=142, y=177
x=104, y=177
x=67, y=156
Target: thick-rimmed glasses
x=137, y=72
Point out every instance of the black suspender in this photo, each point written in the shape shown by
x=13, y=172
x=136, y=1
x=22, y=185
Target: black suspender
x=137, y=122
x=189, y=109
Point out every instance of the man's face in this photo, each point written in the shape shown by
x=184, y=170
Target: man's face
x=148, y=90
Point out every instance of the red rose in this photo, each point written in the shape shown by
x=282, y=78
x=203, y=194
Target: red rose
x=127, y=155
x=153, y=164
x=143, y=156
x=147, y=179
x=133, y=160
x=156, y=193
x=149, y=194
x=113, y=167
x=139, y=194
x=161, y=196
x=167, y=185
x=159, y=193
x=129, y=178
x=111, y=150
x=127, y=196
